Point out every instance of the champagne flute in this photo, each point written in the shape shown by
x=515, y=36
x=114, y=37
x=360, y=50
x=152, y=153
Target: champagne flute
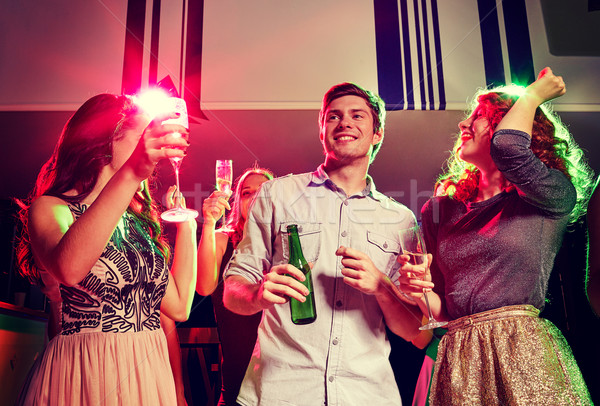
x=178, y=214
x=413, y=245
x=224, y=175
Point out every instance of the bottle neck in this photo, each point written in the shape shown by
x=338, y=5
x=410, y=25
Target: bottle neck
x=294, y=241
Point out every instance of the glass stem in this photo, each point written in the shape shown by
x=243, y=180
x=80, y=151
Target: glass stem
x=428, y=307
x=176, y=165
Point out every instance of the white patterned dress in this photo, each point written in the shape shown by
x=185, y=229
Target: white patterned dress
x=111, y=349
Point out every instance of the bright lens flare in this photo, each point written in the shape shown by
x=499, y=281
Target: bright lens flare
x=154, y=102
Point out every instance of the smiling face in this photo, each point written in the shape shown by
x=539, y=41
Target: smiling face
x=347, y=130
x=475, y=135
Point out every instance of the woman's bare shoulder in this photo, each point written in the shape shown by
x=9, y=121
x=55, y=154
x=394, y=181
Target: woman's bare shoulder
x=50, y=209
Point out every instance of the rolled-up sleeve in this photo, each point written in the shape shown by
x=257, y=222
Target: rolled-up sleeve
x=253, y=255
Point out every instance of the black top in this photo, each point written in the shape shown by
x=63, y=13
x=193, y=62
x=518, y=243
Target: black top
x=238, y=336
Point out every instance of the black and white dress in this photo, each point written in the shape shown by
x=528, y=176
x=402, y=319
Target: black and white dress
x=111, y=349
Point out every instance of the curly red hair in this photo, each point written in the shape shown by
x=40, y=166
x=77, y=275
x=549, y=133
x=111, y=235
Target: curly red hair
x=551, y=142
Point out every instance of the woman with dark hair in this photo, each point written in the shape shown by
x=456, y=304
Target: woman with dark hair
x=516, y=180
x=92, y=228
x=237, y=333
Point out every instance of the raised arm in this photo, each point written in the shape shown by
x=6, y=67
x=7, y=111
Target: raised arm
x=67, y=249
x=212, y=243
x=545, y=88
x=538, y=184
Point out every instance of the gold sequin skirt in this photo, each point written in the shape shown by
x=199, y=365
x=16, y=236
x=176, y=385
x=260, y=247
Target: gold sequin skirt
x=506, y=356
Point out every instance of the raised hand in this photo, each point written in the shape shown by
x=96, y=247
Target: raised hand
x=547, y=86
x=214, y=206
x=174, y=197
x=522, y=114
x=158, y=141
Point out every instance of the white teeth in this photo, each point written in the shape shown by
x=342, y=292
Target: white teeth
x=345, y=138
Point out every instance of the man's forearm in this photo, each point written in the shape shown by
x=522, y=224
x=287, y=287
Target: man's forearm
x=240, y=296
x=401, y=318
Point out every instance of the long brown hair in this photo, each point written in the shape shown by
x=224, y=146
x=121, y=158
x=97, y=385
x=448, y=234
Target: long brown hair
x=551, y=142
x=83, y=149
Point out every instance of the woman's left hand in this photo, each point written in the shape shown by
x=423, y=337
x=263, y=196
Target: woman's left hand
x=173, y=196
x=548, y=86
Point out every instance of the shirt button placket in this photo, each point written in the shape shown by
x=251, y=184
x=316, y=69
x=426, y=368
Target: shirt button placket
x=343, y=226
x=335, y=349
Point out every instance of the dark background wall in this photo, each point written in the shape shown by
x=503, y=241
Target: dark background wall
x=415, y=147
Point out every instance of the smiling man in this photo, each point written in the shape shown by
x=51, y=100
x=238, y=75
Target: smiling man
x=349, y=233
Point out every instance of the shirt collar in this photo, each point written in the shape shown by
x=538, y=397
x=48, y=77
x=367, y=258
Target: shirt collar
x=320, y=177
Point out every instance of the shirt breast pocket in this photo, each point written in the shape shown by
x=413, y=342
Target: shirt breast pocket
x=310, y=240
x=383, y=251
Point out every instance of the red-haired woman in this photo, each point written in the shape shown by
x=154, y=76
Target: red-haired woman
x=237, y=333
x=92, y=227
x=514, y=183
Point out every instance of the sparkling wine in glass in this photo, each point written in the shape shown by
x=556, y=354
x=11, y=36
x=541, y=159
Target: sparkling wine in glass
x=178, y=213
x=413, y=245
x=224, y=175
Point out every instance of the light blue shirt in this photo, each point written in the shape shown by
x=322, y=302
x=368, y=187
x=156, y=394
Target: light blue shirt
x=342, y=357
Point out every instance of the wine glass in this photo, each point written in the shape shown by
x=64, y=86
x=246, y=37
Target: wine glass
x=413, y=245
x=224, y=175
x=178, y=214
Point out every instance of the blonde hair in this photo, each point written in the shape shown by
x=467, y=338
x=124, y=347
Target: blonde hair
x=234, y=225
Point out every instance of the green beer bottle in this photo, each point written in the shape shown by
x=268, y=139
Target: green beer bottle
x=302, y=312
